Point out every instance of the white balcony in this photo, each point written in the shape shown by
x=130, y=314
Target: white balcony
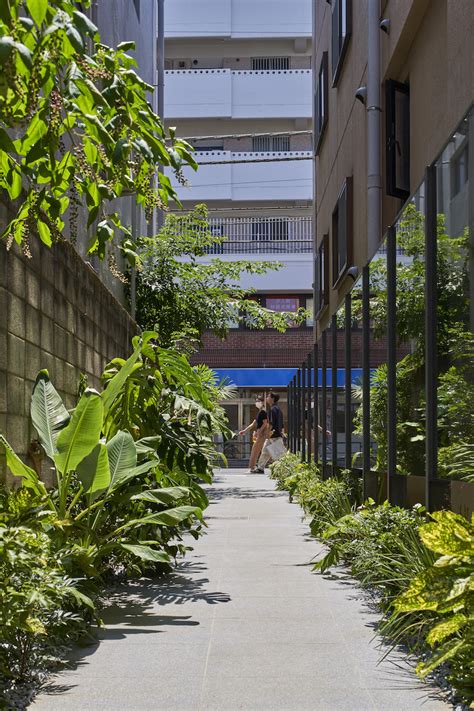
x=238, y=18
x=261, y=235
x=224, y=93
x=228, y=179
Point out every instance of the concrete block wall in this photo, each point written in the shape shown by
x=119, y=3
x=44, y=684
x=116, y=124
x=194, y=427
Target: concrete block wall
x=55, y=313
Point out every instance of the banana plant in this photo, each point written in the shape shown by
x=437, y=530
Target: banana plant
x=102, y=500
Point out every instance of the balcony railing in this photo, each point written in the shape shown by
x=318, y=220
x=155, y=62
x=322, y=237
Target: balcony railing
x=262, y=235
x=238, y=18
x=248, y=177
x=226, y=93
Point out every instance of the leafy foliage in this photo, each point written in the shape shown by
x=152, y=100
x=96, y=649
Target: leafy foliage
x=76, y=127
x=422, y=573
x=446, y=588
x=181, y=294
x=455, y=350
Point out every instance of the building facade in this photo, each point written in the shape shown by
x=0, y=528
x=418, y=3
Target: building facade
x=393, y=91
x=238, y=86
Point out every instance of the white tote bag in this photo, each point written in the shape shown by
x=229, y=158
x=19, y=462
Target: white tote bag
x=276, y=449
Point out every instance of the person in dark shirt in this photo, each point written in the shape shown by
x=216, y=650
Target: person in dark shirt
x=276, y=430
x=260, y=425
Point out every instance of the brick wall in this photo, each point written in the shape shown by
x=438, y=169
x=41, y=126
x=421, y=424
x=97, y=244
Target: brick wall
x=55, y=313
x=269, y=349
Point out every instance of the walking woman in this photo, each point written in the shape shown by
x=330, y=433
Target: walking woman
x=260, y=425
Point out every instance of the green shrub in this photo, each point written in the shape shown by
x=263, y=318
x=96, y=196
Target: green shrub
x=39, y=605
x=444, y=592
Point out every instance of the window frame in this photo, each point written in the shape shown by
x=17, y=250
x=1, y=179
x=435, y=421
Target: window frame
x=342, y=40
x=391, y=89
x=321, y=278
x=344, y=202
x=321, y=98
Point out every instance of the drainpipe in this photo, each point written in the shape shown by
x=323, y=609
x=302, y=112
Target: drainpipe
x=160, y=80
x=374, y=178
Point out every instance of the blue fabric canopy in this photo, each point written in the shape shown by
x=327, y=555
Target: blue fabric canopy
x=280, y=377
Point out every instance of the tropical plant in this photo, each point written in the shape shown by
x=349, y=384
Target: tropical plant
x=76, y=128
x=179, y=292
x=109, y=502
x=445, y=590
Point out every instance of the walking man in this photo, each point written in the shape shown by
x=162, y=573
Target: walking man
x=260, y=425
x=276, y=431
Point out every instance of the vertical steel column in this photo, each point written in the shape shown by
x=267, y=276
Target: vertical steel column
x=431, y=305
x=298, y=411
x=303, y=411
x=391, y=356
x=309, y=421
x=324, y=402
x=348, y=382
x=334, y=394
x=293, y=418
x=316, y=403
x=365, y=378
x=288, y=416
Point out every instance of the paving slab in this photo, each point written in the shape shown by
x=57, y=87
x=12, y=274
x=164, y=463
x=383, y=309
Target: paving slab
x=242, y=623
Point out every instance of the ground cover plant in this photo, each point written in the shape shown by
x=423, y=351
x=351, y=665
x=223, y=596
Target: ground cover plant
x=419, y=567
x=128, y=463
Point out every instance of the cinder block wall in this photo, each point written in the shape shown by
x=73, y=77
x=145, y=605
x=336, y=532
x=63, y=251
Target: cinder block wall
x=55, y=313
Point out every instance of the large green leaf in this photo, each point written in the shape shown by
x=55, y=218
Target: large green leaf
x=127, y=476
x=122, y=457
x=82, y=433
x=94, y=471
x=163, y=496
x=18, y=468
x=452, y=534
x=48, y=413
x=146, y=553
x=115, y=385
x=37, y=9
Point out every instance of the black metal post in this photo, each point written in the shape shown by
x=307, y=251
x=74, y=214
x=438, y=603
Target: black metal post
x=316, y=403
x=293, y=414
x=303, y=412
x=348, y=382
x=289, y=415
x=298, y=411
x=431, y=364
x=391, y=357
x=365, y=378
x=309, y=421
x=324, y=403
x=334, y=394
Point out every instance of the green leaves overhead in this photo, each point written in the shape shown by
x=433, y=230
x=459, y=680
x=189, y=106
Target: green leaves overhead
x=48, y=413
x=60, y=85
x=82, y=433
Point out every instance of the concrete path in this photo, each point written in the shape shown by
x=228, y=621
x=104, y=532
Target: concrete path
x=242, y=624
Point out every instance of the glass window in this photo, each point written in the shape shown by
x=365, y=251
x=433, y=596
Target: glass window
x=282, y=303
x=341, y=33
x=310, y=308
x=269, y=229
x=321, y=280
x=321, y=101
x=342, y=233
x=397, y=110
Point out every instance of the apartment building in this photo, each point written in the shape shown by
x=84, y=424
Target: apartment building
x=238, y=85
x=393, y=89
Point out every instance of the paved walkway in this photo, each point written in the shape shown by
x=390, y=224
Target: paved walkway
x=242, y=624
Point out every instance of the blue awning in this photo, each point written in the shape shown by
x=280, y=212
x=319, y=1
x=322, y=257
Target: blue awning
x=279, y=377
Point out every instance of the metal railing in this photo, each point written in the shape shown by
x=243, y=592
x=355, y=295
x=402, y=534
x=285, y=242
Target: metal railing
x=262, y=235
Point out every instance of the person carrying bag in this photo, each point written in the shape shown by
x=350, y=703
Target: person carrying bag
x=274, y=447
